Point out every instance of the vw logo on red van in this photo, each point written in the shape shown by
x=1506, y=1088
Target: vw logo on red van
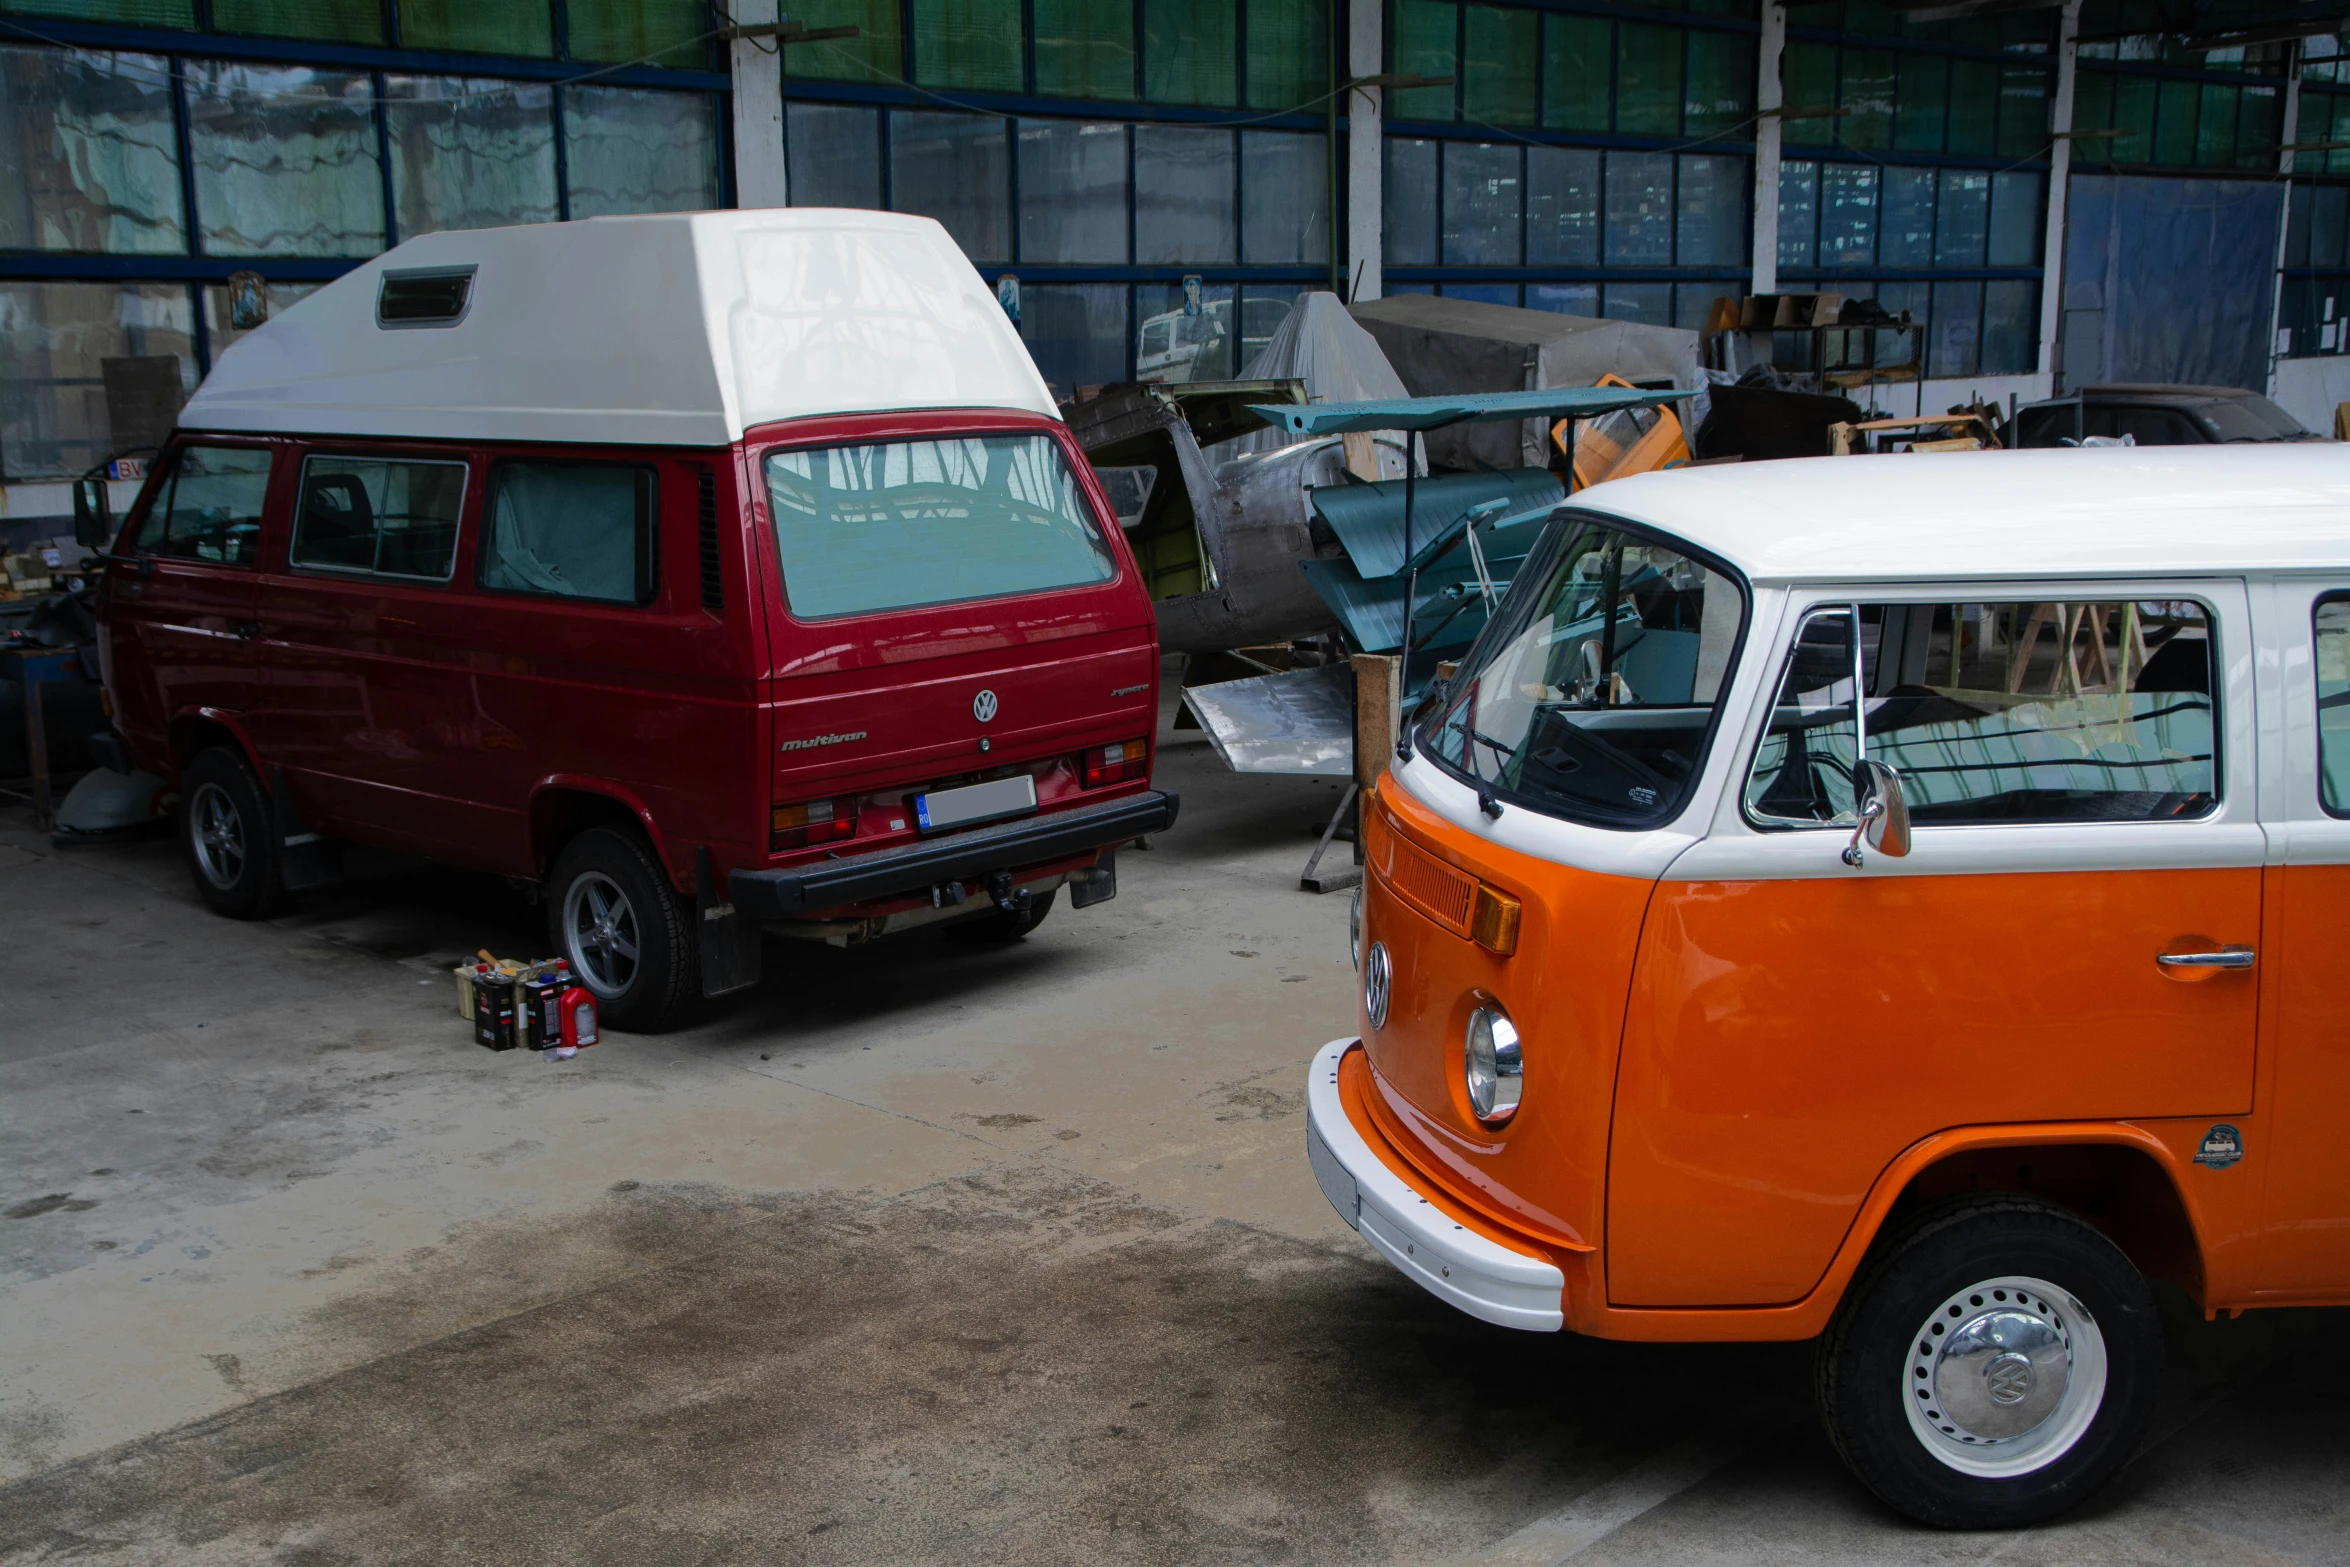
x=983, y=706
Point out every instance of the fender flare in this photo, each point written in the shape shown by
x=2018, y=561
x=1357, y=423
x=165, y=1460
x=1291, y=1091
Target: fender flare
x=1935, y=1147
x=233, y=723
x=626, y=799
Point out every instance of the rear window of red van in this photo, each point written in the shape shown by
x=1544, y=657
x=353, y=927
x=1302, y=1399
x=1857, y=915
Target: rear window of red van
x=899, y=524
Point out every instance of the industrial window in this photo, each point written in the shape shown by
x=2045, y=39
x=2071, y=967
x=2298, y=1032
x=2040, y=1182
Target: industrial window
x=639, y=150
x=1563, y=72
x=2183, y=122
x=572, y=530
x=210, y=508
x=1879, y=99
x=876, y=54
x=972, y=44
x=91, y=139
x=386, y=516
x=667, y=32
x=1288, y=54
x=338, y=21
x=61, y=412
x=1507, y=204
x=1072, y=191
x=955, y=168
x=833, y=155
x=285, y=160
x=2000, y=713
x=1085, y=49
x=470, y=27
x=2333, y=705
x=469, y=152
x=901, y=524
x=2316, y=296
x=1190, y=52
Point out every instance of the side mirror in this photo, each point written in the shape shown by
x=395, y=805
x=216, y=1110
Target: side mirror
x=93, y=518
x=1884, y=814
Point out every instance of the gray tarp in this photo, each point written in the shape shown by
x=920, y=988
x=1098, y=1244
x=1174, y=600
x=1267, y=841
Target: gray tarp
x=2169, y=280
x=1457, y=345
x=1318, y=343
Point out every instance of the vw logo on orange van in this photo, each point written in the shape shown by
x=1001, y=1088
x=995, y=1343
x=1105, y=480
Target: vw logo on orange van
x=1376, y=980
x=983, y=706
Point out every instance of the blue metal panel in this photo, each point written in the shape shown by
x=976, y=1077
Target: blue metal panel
x=802, y=90
x=55, y=267
x=1368, y=518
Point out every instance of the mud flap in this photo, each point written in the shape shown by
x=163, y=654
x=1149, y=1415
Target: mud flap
x=1099, y=885
x=729, y=943
x=305, y=860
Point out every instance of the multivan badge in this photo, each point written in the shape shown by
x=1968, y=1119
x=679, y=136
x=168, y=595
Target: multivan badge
x=2222, y=1146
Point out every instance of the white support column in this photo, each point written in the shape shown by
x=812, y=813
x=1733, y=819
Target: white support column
x=2289, y=132
x=1366, y=201
x=1767, y=98
x=2060, y=169
x=757, y=66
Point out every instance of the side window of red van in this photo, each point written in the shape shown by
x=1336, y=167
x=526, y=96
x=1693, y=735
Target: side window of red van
x=388, y=517
x=574, y=530
x=1998, y=713
x=210, y=507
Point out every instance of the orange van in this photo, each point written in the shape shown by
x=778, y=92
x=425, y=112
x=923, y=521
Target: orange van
x=1884, y=902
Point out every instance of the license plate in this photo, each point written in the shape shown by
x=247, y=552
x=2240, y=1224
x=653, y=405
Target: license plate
x=985, y=802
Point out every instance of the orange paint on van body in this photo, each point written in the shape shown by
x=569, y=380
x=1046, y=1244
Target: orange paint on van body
x=1762, y=1124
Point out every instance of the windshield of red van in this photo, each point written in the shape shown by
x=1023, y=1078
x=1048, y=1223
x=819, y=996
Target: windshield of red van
x=1593, y=693
x=898, y=524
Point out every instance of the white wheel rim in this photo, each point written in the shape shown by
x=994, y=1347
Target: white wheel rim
x=601, y=932
x=217, y=833
x=2004, y=1377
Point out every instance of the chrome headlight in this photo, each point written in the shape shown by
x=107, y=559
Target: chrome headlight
x=1354, y=928
x=1376, y=979
x=1496, y=1067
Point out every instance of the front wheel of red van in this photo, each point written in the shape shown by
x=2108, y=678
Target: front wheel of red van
x=1994, y=1363
x=611, y=912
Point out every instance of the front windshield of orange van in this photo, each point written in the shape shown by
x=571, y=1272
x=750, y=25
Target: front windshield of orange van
x=1593, y=693
x=897, y=524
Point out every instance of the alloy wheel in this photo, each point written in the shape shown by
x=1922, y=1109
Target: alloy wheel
x=216, y=831
x=601, y=930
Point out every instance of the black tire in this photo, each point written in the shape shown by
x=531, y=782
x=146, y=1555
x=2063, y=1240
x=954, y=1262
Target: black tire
x=999, y=926
x=628, y=935
x=2053, y=1294
x=228, y=833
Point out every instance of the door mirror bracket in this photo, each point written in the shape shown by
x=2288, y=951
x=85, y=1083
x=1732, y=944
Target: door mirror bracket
x=1884, y=813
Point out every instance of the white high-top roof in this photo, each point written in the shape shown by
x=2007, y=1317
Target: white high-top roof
x=682, y=329
x=2145, y=511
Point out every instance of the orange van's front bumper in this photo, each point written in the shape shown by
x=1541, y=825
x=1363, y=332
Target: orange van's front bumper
x=1420, y=1234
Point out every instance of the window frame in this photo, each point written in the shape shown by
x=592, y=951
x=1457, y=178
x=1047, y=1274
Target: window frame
x=1805, y=603
x=648, y=541
x=167, y=486
x=2317, y=734
x=1539, y=562
x=370, y=573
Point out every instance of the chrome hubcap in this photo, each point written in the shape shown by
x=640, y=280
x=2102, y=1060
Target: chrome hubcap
x=2004, y=1377
x=217, y=833
x=601, y=927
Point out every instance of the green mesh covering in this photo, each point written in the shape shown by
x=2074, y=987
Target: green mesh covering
x=476, y=28
x=1085, y=49
x=663, y=31
x=333, y=21
x=972, y=44
x=876, y=54
x=1190, y=51
x=1288, y=53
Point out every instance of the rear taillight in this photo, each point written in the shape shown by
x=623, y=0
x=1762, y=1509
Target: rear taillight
x=818, y=821
x=1109, y=764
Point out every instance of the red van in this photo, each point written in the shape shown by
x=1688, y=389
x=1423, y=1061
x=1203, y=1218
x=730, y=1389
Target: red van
x=713, y=573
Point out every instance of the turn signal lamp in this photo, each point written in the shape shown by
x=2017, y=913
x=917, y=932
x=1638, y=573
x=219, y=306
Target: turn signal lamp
x=1493, y=921
x=818, y=821
x=1109, y=764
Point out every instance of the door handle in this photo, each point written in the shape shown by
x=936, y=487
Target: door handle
x=2225, y=957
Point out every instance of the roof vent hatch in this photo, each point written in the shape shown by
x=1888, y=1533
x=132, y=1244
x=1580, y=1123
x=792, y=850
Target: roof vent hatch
x=437, y=296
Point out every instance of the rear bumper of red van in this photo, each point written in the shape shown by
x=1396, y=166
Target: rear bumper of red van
x=802, y=890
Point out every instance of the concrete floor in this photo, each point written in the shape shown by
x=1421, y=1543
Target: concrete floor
x=919, y=1253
